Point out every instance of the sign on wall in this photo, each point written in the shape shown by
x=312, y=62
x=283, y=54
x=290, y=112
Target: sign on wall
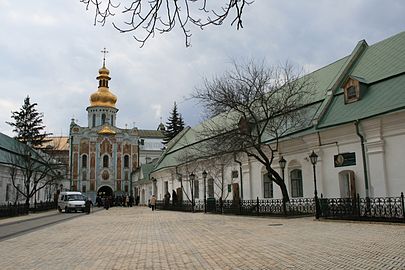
x=345, y=159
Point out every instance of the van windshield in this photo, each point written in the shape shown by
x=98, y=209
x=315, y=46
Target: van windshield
x=75, y=197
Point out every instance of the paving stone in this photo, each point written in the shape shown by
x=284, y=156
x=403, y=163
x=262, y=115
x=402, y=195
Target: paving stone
x=137, y=238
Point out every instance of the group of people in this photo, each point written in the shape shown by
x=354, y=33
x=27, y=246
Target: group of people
x=152, y=201
x=122, y=200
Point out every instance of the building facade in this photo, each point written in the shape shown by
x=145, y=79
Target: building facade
x=103, y=156
x=46, y=173
x=356, y=127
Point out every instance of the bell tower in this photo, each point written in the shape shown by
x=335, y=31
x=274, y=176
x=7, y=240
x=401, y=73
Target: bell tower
x=102, y=110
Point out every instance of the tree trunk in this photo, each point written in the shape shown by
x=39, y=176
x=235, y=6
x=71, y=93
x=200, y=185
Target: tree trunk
x=280, y=182
x=27, y=205
x=27, y=199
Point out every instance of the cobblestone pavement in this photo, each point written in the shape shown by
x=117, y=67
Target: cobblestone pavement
x=137, y=238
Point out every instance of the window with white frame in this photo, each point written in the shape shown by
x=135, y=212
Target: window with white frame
x=267, y=186
x=296, y=183
x=210, y=188
x=8, y=192
x=196, y=189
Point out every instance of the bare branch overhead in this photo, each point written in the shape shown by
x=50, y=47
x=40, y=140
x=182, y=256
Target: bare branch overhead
x=144, y=18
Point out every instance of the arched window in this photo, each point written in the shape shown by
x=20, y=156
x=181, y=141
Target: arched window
x=112, y=121
x=103, y=119
x=94, y=120
x=105, y=161
x=296, y=183
x=196, y=189
x=126, y=161
x=210, y=188
x=267, y=186
x=84, y=161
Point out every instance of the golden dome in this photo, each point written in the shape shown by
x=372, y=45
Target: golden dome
x=103, y=97
x=106, y=131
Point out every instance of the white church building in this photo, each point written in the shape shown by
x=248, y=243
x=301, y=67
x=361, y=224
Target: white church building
x=357, y=130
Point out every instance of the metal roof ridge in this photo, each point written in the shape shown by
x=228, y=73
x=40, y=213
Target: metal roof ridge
x=340, y=77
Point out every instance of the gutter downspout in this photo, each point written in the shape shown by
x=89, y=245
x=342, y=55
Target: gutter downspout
x=363, y=152
x=241, y=177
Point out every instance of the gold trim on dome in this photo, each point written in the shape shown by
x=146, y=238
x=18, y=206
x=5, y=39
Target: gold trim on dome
x=106, y=130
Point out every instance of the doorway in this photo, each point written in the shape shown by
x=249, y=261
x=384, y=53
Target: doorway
x=347, y=184
x=105, y=191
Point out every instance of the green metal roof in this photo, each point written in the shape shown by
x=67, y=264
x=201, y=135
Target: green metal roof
x=375, y=65
x=379, y=98
x=8, y=148
x=382, y=68
x=146, y=169
x=382, y=60
x=144, y=133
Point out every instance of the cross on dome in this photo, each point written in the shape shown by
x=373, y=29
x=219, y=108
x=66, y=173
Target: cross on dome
x=104, y=51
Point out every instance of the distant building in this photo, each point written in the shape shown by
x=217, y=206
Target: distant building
x=103, y=156
x=12, y=160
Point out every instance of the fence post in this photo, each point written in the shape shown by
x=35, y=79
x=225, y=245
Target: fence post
x=403, y=206
x=257, y=205
x=358, y=204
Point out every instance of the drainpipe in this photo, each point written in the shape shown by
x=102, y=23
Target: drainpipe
x=241, y=178
x=363, y=152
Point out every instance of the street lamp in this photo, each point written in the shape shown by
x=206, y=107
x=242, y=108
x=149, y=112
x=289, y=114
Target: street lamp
x=204, y=175
x=192, y=177
x=283, y=163
x=314, y=158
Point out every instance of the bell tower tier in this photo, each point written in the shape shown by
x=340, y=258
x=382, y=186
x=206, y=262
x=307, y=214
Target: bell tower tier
x=102, y=108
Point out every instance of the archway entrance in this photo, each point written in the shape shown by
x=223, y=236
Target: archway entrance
x=104, y=191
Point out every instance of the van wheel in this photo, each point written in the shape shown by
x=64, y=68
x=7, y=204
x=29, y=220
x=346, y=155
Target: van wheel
x=59, y=209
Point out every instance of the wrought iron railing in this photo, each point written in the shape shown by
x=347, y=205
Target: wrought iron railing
x=12, y=210
x=275, y=207
x=377, y=209
x=304, y=206
x=373, y=209
x=18, y=209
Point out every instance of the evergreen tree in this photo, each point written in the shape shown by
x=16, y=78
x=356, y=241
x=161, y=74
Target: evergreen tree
x=28, y=125
x=181, y=122
x=174, y=125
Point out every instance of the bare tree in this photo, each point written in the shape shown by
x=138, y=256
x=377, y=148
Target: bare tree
x=34, y=169
x=146, y=17
x=250, y=108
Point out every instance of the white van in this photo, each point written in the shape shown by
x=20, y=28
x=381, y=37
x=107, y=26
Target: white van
x=71, y=201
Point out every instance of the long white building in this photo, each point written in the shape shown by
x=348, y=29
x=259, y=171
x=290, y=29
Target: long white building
x=357, y=129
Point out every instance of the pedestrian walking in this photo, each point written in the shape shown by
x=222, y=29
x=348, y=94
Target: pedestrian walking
x=153, y=202
x=106, y=203
x=88, y=205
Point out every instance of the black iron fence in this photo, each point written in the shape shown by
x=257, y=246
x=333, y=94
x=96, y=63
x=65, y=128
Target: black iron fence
x=18, y=209
x=373, y=209
x=257, y=207
x=389, y=209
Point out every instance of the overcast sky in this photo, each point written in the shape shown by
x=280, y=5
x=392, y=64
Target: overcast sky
x=50, y=50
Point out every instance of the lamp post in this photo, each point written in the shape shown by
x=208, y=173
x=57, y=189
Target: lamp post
x=204, y=175
x=314, y=159
x=282, y=163
x=192, y=177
